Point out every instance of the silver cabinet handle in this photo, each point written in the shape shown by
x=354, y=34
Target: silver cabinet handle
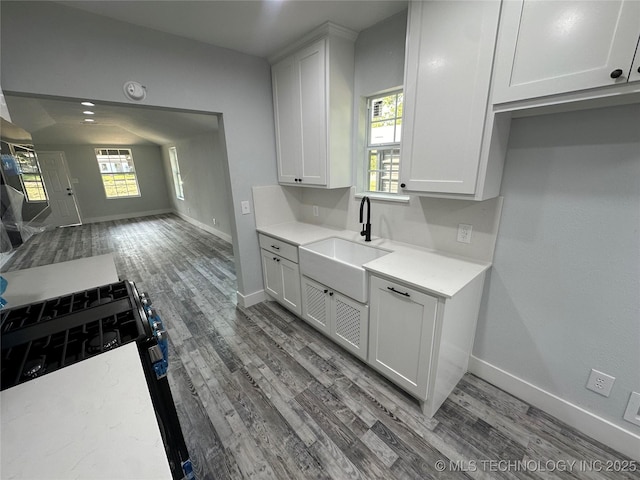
x=405, y=294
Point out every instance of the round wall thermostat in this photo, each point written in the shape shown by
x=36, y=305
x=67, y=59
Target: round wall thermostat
x=135, y=91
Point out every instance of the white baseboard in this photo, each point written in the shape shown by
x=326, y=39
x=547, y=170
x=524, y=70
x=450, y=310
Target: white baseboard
x=251, y=299
x=124, y=216
x=614, y=436
x=207, y=228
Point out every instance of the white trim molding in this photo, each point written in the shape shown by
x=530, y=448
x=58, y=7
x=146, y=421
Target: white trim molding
x=250, y=299
x=203, y=226
x=614, y=436
x=124, y=216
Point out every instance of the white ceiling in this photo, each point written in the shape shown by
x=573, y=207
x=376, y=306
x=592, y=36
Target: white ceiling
x=255, y=27
x=259, y=28
x=60, y=122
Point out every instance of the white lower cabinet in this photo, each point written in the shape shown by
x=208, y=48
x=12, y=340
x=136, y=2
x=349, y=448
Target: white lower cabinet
x=422, y=342
x=280, y=271
x=401, y=334
x=343, y=319
x=282, y=280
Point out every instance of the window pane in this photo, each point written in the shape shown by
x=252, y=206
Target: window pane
x=26, y=165
x=118, y=173
x=383, y=108
x=385, y=119
x=381, y=133
x=384, y=170
x=175, y=170
x=384, y=130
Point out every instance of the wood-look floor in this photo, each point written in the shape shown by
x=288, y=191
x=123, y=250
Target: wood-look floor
x=262, y=395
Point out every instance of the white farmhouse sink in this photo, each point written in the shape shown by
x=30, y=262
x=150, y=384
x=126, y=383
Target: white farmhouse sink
x=337, y=263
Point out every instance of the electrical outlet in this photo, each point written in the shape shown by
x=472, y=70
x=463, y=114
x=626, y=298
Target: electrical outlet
x=632, y=413
x=244, y=206
x=464, y=233
x=315, y=211
x=600, y=382
x=214, y=220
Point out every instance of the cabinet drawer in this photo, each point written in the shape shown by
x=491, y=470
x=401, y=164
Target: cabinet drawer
x=284, y=249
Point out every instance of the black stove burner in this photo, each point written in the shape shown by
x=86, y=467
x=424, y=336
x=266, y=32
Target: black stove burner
x=101, y=301
x=42, y=337
x=108, y=341
x=34, y=368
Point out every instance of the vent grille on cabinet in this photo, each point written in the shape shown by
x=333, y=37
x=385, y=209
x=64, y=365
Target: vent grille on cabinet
x=316, y=304
x=348, y=323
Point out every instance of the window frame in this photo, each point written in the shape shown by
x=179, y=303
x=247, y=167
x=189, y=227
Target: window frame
x=382, y=148
x=98, y=153
x=24, y=154
x=178, y=184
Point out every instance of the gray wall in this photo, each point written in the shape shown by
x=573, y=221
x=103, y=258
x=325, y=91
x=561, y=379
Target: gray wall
x=203, y=168
x=75, y=54
x=92, y=201
x=563, y=294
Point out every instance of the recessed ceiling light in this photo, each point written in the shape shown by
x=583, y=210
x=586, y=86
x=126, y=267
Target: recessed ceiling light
x=88, y=112
x=89, y=120
x=88, y=104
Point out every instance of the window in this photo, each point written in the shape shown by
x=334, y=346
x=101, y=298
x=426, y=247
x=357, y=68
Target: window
x=30, y=175
x=175, y=170
x=384, y=130
x=118, y=172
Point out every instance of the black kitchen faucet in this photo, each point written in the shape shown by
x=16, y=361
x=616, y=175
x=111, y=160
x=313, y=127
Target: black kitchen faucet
x=366, y=227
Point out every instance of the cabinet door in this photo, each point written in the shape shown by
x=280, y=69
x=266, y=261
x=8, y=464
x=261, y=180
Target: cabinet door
x=290, y=285
x=448, y=64
x=271, y=272
x=547, y=48
x=350, y=324
x=313, y=112
x=401, y=334
x=286, y=104
x=315, y=304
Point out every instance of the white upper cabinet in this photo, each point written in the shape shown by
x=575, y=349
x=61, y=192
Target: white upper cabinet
x=558, y=47
x=312, y=99
x=453, y=145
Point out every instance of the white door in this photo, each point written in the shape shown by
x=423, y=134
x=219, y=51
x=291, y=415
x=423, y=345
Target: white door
x=286, y=103
x=401, y=329
x=315, y=304
x=272, y=274
x=62, y=199
x=313, y=108
x=548, y=48
x=448, y=70
x=290, y=285
x=350, y=326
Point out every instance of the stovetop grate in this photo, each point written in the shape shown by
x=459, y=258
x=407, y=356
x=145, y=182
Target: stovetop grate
x=43, y=337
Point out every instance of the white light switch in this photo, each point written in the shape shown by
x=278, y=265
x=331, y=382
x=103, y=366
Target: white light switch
x=244, y=206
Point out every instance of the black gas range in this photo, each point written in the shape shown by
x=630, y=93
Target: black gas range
x=40, y=338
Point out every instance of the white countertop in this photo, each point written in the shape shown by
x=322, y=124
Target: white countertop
x=40, y=283
x=435, y=272
x=90, y=420
x=298, y=233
